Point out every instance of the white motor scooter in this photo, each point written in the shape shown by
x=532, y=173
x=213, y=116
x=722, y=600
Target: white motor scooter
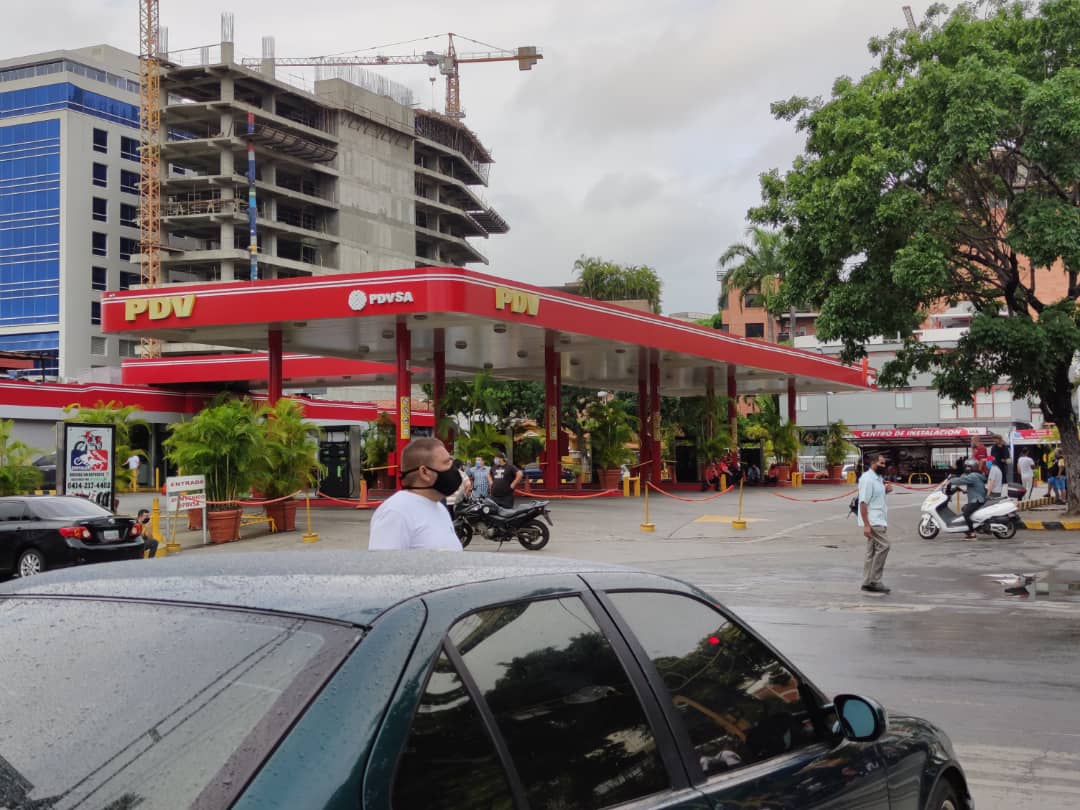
x=997, y=516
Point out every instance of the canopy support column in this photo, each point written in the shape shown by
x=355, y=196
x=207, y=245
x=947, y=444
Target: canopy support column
x=644, y=416
x=791, y=394
x=552, y=406
x=403, y=345
x=273, y=341
x=654, y=408
x=439, y=385
x=732, y=405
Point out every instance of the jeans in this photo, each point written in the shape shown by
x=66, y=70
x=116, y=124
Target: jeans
x=969, y=510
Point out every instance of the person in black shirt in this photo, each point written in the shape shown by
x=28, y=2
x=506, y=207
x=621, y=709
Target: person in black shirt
x=503, y=479
x=1000, y=454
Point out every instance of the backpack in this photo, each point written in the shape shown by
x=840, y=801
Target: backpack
x=853, y=506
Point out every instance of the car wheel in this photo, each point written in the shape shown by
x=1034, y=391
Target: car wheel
x=1003, y=530
x=944, y=797
x=464, y=532
x=533, y=535
x=928, y=530
x=30, y=562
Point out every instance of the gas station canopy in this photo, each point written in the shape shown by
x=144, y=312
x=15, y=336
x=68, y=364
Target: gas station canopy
x=477, y=322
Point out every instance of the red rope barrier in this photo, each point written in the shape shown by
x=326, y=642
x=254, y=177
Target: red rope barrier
x=605, y=493
x=689, y=500
x=816, y=500
x=243, y=503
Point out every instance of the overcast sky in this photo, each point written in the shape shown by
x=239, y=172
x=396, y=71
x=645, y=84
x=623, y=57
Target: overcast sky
x=638, y=138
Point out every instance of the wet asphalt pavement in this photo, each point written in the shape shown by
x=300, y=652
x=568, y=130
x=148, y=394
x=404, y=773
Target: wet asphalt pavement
x=999, y=672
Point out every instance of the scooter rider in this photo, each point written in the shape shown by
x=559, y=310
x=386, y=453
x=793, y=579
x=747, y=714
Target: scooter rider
x=973, y=481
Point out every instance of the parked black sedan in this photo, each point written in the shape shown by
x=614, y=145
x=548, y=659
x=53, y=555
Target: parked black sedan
x=423, y=680
x=38, y=532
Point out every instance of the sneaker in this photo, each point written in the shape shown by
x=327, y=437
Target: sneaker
x=969, y=536
x=876, y=587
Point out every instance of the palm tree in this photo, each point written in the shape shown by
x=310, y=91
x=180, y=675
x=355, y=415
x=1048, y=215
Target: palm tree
x=759, y=265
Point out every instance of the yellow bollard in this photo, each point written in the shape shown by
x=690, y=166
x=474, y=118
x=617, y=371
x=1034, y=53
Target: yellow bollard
x=851, y=477
x=723, y=482
x=309, y=535
x=637, y=486
x=626, y=487
x=155, y=527
x=647, y=526
x=796, y=479
x=739, y=523
x=157, y=480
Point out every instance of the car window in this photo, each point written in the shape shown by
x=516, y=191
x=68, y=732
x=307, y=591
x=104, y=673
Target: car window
x=67, y=508
x=739, y=704
x=128, y=704
x=570, y=718
x=11, y=510
x=449, y=760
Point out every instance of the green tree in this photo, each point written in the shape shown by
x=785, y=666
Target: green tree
x=950, y=172
x=123, y=418
x=17, y=474
x=759, y=266
x=289, y=460
x=608, y=281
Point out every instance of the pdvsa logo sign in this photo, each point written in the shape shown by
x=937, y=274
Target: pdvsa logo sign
x=359, y=300
x=517, y=301
x=157, y=309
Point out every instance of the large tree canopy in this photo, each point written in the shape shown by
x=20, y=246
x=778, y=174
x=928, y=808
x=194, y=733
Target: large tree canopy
x=950, y=172
x=608, y=281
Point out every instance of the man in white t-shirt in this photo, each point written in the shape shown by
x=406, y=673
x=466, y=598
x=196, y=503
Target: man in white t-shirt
x=415, y=517
x=1025, y=465
x=994, y=480
x=133, y=462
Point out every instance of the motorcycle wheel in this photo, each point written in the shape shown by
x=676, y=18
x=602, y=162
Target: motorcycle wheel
x=464, y=532
x=1003, y=531
x=928, y=530
x=533, y=535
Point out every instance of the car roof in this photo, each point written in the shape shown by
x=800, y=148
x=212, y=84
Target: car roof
x=348, y=586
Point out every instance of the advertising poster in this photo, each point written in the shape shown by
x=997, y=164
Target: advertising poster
x=89, y=459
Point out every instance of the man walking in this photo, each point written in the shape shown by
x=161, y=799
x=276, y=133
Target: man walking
x=1000, y=454
x=873, y=518
x=414, y=517
x=479, y=474
x=1026, y=467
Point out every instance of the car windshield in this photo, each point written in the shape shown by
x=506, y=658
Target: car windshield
x=129, y=704
x=45, y=461
x=66, y=508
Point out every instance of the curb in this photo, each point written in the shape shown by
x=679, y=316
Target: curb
x=1051, y=525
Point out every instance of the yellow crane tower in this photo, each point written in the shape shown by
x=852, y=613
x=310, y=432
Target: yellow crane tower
x=150, y=152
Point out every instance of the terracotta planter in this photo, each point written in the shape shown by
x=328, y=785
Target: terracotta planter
x=783, y=472
x=194, y=520
x=836, y=471
x=283, y=514
x=610, y=479
x=223, y=526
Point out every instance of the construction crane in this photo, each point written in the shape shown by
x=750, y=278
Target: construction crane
x=909, y=18
x=150, y=152
x=448, y=64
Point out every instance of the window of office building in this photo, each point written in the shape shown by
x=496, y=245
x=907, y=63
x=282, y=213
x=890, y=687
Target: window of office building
x=755, y=330
x=129, y=148
x=99, y=278
x=101, y=175
x=98, y=346
x=129, y=280
x=127, y=247
x=903, y=400
x=95, y=312
x=101, y=209
x=129, y=215
x=128, y=348
x=129, y=181
x=101, y=140
x=99, y=244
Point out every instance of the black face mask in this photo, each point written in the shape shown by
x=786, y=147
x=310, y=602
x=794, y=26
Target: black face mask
x=446, y=481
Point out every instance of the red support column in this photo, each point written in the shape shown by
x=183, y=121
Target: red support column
x=403, y=344
x=654, y=408
x=791, y=400
x=732, y=405
x=439, y=383
x=644, y=417
x=275, y=375
x=710, y=401
x=552, y=381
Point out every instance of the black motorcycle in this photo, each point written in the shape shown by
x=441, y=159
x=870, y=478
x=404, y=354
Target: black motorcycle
x=485, y=517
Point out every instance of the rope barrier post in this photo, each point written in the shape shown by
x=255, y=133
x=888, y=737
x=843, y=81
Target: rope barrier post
x=723, y=482
x=172, y=547
x=739, y=523
x=363, y=494
x=155, y=526
x=626, y=487
x=309, y=535
x=647, y=526
x=637, y=486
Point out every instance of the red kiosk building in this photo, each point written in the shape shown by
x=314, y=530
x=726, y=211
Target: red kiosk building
x=430, y=323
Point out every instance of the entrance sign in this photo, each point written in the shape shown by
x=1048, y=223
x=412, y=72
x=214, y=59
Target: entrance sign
x=89, y=462
x=184, y=492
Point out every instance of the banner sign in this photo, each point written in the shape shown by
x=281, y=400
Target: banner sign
x=1041, y=436
x=919, y=433
x=89, y=462
x=405, y=419
x=185, y=492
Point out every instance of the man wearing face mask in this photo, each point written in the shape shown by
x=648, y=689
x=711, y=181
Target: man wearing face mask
x=479, y=474
x=415, y=518
x=873, y=519
x=503, y=479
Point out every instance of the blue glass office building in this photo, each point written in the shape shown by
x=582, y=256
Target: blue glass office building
x=68, y=153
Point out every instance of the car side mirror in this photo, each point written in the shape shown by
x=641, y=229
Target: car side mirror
x=861, y=719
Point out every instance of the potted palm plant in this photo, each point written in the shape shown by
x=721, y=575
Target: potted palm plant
x=223, y=442
x=611, y=428
x=785, y=440
x=18, y=475
x=289, y=461
x=378, y=439
x=836, y=447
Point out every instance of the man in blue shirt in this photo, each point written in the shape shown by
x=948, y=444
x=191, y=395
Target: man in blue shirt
x=873, y=518
x=975, y=485
x=479, y=474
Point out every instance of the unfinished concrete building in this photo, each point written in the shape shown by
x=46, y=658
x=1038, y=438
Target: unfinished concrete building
x=347, y=179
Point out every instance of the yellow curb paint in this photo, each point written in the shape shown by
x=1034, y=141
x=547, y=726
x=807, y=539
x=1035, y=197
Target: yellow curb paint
x=1072, y=525
x=1034, y=525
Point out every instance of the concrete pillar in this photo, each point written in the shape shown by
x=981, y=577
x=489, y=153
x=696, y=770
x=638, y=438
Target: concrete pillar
x=275, y=361
x=732, y=405
x=791, y=394
x=439, y=381
x=552, y=383
x=654, y=408
x=644, y=417
x=403, y=433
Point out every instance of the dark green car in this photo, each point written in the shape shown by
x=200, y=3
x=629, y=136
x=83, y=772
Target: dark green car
x=410, y=680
